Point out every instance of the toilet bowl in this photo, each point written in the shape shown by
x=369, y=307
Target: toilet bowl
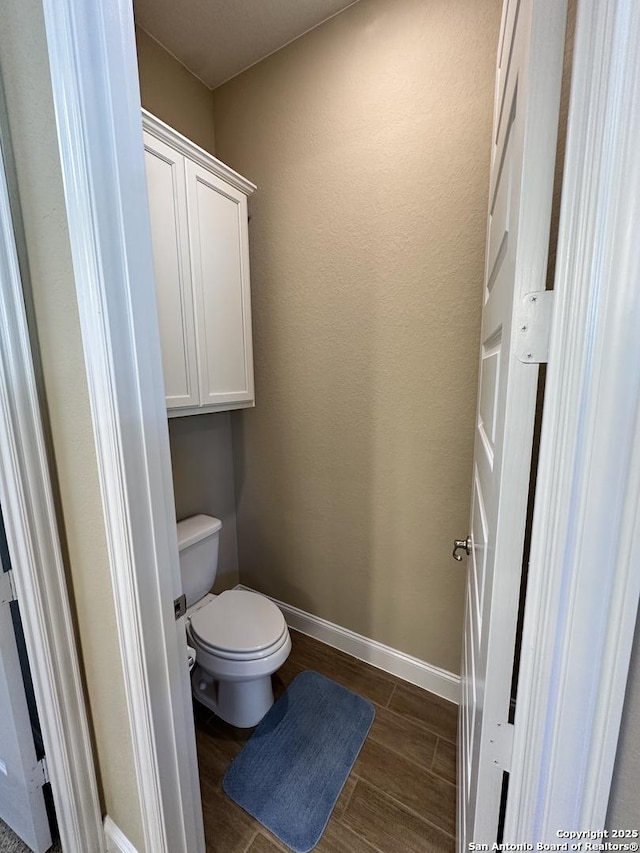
x=240, y=637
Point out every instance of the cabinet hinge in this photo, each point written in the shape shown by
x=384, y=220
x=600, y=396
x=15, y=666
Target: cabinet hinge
x=501, y=745
x=7, y=588
x=180, y=606
x=533, y=327
x=39, y=776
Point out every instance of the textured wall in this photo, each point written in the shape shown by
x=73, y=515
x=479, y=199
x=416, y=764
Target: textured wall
x=201, y=455
x=173, y=94
x=623, y=810
x=25, y=74
x=368, y=139
x=202, y=462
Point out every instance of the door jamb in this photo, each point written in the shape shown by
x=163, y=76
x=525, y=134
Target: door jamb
x=584, y=578
x=31, y=526
x=92, y=60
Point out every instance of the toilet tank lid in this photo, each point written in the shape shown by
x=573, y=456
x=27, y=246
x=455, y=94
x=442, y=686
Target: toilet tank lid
x=196, y=528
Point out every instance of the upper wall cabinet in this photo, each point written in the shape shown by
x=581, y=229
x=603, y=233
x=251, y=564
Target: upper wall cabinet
x=199, y=229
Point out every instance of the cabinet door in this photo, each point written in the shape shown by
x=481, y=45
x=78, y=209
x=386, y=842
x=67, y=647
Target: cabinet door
x=218, y=235
x=169, y=232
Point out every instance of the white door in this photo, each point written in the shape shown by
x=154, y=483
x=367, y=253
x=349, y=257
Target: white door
x=22, y=804
x=169, y=235
x=528, y=81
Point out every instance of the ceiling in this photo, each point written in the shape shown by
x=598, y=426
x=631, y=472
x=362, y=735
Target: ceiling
x=217, y=39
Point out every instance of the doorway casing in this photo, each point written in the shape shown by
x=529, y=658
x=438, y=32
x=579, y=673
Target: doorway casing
x=584, y=582
x=39, y=577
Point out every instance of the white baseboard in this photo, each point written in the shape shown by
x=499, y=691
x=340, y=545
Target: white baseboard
x=431, y=678
x=117, y=841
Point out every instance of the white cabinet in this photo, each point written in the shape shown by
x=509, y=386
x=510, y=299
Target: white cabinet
x=198, y=211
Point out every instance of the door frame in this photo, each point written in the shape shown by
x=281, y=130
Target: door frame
x=96, y=99
x=39, y=576
x=92, y=59
x=584, y=578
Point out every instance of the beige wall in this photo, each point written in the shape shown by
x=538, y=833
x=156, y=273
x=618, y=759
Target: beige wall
x=623, y=810
x=202, y=462
x=369, y=141
x=201, y=455
x=32, y=128
x=173, y=93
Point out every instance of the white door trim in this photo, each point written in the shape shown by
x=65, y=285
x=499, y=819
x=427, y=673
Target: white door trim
x=97, y=103
x=584, y=575
x=96, y=99
x=38, y=570
x=117, y=841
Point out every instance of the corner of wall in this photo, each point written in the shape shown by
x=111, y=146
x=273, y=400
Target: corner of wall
x=173, y=93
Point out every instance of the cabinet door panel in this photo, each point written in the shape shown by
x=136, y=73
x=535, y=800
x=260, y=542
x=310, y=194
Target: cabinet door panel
x=168, y=213
x=218, y=236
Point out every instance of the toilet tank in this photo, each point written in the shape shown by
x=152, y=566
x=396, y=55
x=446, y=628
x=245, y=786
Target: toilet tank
x=198, y=540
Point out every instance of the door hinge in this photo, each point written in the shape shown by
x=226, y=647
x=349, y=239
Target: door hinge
x=180, y=606
x=39, y=776
x=501, y=745
x=7, y=588
x=533, y=327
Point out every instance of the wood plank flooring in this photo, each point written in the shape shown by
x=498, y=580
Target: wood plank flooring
x=401, y=793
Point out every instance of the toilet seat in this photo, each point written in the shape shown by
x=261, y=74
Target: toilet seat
x=239, y=625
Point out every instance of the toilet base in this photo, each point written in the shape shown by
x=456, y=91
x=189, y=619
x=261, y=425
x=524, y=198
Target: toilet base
x=240, y=703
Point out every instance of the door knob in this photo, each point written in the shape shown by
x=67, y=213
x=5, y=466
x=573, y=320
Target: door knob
x=459, y=545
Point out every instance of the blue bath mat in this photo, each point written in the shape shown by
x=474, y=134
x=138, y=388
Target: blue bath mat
x=293, y=767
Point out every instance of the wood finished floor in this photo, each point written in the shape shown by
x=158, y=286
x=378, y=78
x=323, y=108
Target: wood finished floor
x=400, y=795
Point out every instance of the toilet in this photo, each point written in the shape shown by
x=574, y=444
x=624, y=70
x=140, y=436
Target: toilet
x=240, y=637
